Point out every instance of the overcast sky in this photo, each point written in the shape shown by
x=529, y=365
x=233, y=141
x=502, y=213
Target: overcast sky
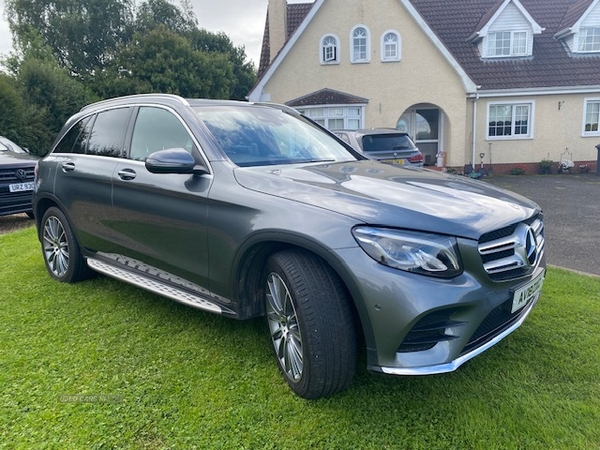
x=242, y=20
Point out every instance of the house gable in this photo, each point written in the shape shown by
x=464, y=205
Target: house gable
x=267, y=71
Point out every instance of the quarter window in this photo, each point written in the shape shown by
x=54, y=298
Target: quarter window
x=592, y=117
x=506, y=121
x=329, y=50
x=360, y=44
x=108, y=133
x=76, y=138
x=589, y=39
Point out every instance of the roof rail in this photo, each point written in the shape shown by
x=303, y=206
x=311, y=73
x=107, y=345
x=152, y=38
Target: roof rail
x=140, y=96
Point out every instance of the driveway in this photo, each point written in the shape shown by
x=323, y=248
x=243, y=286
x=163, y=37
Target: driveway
x=571, y=204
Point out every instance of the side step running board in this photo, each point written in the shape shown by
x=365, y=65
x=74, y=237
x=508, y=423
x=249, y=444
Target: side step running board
x=155, y=286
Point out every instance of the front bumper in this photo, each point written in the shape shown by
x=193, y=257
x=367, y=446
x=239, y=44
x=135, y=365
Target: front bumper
x=418, y=325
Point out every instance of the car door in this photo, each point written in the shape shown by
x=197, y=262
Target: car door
x=160, y=219
x=85, y=160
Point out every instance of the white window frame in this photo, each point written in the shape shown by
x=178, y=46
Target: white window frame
x=322, y=50
x=354, y=59
x=398, y=55
x=583, y=37
x=512, y=51
x=530, y=134
x=322, y=114
x=586, y=104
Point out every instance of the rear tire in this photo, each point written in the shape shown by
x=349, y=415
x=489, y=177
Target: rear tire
x=311, y=324
x=61, y=251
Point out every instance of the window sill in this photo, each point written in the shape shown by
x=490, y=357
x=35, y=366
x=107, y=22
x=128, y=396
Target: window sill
x=508, y=138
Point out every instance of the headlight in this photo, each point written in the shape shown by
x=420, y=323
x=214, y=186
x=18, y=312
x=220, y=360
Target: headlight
x=424, y=253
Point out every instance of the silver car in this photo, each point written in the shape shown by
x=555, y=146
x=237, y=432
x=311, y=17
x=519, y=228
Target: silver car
x=250, y=210
x=383, y=144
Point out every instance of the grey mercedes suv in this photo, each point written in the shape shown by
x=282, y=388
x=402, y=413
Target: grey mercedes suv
x=251, y=210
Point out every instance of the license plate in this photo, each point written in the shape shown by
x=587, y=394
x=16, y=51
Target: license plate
x=20, y=187
x=393, y=161
x=525, y=294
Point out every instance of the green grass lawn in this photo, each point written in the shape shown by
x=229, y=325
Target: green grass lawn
x=101, y=364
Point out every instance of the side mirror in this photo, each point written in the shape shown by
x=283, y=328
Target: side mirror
x=174, y=160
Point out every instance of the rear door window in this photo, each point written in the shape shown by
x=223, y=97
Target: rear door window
x=108, y=133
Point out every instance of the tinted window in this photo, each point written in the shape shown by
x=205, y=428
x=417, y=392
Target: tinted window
x=108, y=133
x=383, y=142
x=74, y=141
x=157, y=129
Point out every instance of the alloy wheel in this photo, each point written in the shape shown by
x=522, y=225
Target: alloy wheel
x=56, y=246
x=284, y=327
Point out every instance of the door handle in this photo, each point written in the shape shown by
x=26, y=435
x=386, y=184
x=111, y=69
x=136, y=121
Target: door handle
x=68, y=167
x=127, y=174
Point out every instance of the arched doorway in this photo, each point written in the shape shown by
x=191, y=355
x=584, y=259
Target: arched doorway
x=425, y=123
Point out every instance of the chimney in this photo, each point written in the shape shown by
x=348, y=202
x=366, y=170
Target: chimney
x=277, y=26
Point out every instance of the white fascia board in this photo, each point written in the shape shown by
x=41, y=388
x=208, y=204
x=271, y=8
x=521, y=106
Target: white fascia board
x=584, y=15
x=257, y=94
x=468, y=84
x=559, y=90
x=537, y=29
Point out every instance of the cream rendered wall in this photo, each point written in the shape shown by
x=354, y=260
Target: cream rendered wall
x=555, y=129
x=423, y=75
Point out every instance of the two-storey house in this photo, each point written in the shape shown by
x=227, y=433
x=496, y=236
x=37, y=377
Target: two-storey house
x=515, y=80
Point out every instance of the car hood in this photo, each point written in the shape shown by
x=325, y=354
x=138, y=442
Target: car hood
x=16, y=158
x=388, y=195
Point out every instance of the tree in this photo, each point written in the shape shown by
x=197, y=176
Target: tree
x=83, y=34
x=11, y=120
x=244, y=72
x=162, y=61
x=154, y=13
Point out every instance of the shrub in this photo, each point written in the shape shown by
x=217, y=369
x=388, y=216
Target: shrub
x=519, y=169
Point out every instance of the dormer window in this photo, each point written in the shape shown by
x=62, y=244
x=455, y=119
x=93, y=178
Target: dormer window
x=330, y=50
x=506, y=31
x=507, y=43
x=589, y=39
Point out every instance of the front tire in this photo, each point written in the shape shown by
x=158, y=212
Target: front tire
x=311, y=324
x=61, y=251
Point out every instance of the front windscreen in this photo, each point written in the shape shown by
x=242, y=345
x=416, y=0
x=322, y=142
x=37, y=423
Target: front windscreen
x=262, y=135
x=386, y=142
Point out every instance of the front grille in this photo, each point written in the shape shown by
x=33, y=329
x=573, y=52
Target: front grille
x=429, y=331
x=514, y=251
x=11, y=175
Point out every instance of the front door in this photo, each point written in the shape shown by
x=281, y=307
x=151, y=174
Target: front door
x=423, y=125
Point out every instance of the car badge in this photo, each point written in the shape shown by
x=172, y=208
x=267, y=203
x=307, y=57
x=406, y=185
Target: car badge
x=531, y=250
x=21, y=174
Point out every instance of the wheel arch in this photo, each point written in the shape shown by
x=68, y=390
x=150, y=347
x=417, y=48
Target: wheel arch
x=249, y=266
x=40, y=207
